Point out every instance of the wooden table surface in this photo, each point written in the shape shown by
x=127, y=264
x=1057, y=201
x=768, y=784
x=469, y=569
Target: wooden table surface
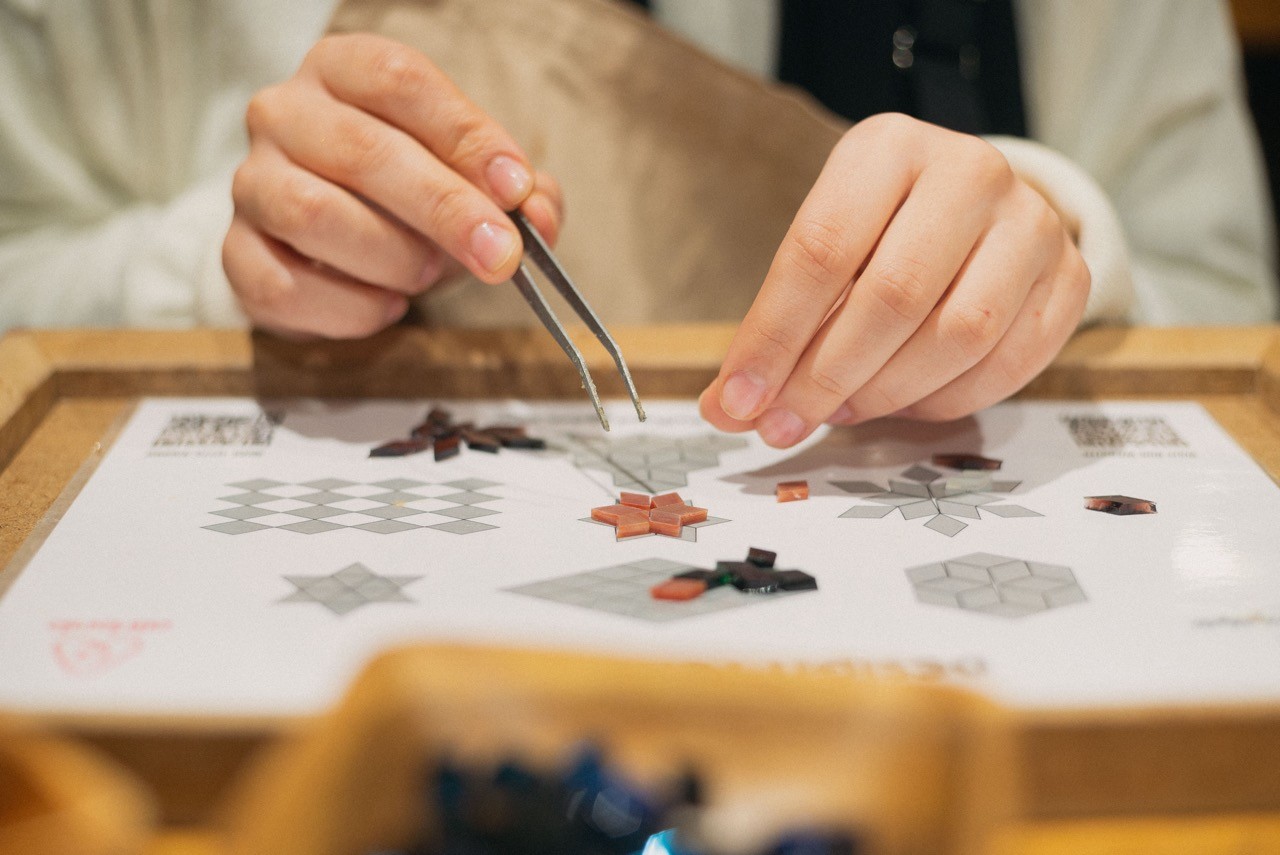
x=61, y=391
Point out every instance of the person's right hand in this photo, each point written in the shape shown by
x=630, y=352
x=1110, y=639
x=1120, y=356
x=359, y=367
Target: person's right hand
x=369, y=174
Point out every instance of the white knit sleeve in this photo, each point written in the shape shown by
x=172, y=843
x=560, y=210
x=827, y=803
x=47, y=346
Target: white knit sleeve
x=1089, y=217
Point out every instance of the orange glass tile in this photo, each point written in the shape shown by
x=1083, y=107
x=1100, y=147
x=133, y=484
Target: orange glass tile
x=664, y=522
x=610, y=513
x=632, y=526
x=689, y=514
x=678, y=589
x=792, y=491
x=667, y=499
x=635, y=500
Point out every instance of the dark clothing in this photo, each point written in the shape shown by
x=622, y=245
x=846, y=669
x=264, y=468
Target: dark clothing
x=950, y=62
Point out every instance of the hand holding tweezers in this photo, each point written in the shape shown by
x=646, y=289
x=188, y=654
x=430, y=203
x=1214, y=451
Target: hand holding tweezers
x=537, y=251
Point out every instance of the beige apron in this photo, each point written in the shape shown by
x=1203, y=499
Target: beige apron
x=680, y=174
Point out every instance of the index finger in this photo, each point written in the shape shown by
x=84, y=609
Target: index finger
x=831, y=237
x=404, y=88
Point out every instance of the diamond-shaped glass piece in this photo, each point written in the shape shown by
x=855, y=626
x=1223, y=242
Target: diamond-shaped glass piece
x=946, y=525
x=1119, y=505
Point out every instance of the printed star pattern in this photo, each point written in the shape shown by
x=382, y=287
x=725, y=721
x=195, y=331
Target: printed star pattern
x=349, y=588
x=947, y=501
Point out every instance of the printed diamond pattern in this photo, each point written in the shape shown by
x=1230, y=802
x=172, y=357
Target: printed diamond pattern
x=330, y=504
x=996, y=585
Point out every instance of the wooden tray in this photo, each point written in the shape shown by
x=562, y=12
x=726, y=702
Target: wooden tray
x=62, y=391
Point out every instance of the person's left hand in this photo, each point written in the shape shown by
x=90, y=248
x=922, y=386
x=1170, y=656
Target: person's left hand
x=921, y=278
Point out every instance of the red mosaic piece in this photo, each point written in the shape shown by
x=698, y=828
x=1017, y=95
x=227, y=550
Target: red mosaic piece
x=638, y=513
x=689, y=514
x=1121, y=506
x=611, y=513
x=792, y=491
x=665, y=522
x=632, y=525
x=678, y=589
x=967, y=462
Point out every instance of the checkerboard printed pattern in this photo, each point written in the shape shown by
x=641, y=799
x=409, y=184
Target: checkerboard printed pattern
x=382, y=507
x=623, y=589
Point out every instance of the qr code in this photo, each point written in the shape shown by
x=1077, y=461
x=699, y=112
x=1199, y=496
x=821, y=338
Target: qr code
x=205, y=430
x=1103, y=432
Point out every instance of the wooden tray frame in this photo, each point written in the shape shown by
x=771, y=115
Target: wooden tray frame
x=61, y=392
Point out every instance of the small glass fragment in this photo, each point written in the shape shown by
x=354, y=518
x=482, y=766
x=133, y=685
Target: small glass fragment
x=1121, y=506
x=966, y=462
x=796, y=580
x=792, y=491
x=755, y=580
x=505, y=432
x=448, y=446
x=481, y=441
x=400, y=448
x=436, y=424
x=439, y=429
x=710, y=578
x=529, y=443
x=749, y=576
x=678, y=589
x=635, y=500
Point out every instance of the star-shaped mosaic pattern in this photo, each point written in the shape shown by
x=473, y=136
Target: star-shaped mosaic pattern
x=947, y=500
x=349, y=589
x=649, y=464
x=688, y=532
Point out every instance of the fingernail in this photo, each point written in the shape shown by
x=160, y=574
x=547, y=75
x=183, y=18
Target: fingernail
x=492, y=246
x=780, y=428
x=510, y=181
x=742, y=395
x=841, y=415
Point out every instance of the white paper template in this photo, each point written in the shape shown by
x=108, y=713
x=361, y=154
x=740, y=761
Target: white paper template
x=231, y=556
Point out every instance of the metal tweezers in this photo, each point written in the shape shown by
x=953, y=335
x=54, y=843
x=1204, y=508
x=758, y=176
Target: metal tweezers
x=537, y=251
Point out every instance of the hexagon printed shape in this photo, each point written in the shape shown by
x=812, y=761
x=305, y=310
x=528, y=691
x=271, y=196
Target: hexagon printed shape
x=995, y=585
